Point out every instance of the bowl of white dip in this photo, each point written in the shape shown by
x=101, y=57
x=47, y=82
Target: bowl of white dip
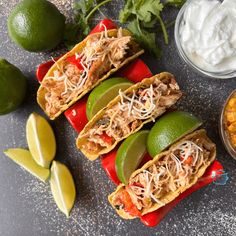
x=205, y=36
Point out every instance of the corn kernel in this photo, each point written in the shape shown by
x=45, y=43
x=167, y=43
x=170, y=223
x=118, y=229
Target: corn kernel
x=232, y=127
x=232, y=102
x=231, y=117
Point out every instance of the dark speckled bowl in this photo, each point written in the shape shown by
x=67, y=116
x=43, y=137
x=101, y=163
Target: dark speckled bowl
x=223, y=132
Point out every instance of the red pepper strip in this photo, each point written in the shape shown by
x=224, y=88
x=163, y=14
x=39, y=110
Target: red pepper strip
x=128, y=204
x=188, y=160
x=109, y=24
x=76, y=114
x=43, y=68
x=108, y=164
x=106, y=138
x=154, y=218
x=136, y=71
x=75, y=61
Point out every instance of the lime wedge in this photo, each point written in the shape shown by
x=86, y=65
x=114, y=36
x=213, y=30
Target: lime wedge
x=23, y=158
x=130, y=154
x=169, y=129
x=41, y=140
x=104, y=93
x=63, y=187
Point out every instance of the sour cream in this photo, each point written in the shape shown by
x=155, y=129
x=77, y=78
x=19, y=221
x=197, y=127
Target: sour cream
x=208, y=34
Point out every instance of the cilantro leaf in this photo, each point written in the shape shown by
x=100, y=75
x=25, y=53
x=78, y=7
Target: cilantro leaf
x=80, y=28
x=126, y=12
x=148, y=8
x=145, y=38
x=84, y=6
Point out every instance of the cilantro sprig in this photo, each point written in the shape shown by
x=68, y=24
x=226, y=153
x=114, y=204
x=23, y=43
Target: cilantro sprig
x=79, y=29
x=144, y=16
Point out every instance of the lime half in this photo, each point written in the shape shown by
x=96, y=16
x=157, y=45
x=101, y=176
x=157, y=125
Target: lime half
x=41, y=140
x=170, y=128
x=104, y=93
x=63, y=187
x=130, y=155
x=23, y=158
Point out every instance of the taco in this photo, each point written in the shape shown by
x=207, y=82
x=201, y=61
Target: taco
x=87, y=64
x=162, y=179
x=127, y=113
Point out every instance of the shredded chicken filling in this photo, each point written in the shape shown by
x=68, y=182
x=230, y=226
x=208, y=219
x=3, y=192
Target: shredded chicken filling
x=169, y=174
x=144, y=103
x=101, y=54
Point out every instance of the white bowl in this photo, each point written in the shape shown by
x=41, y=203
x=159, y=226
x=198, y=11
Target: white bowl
x=179, y=21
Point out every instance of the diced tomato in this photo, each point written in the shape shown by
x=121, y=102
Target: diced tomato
x=106, y=138
x=188, y=160
x=136, y=184
x=76, y=114
x=108, y=163
x=129, y=206
x=75, y=61
x=136, y=71
x=100, y=27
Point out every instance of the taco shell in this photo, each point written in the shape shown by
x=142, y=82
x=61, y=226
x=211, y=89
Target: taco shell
x=78, y=49
x=164, y=77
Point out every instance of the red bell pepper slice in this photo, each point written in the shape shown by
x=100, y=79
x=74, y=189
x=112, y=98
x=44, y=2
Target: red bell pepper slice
x=108, y=163
x=76, y=114
x=106, y=138
x=75, y=61
x=109, y=24
x=154, y=218
x=136, y=71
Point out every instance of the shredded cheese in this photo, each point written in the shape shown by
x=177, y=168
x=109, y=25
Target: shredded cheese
x=102, y=49
x=167, y=175
x=124, y=117
x=139, y=106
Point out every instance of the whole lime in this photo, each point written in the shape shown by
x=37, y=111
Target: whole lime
x=169, y=129
x=12, y=87
x=36, y=25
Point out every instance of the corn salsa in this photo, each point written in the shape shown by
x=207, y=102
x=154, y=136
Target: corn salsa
x=230, y=119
